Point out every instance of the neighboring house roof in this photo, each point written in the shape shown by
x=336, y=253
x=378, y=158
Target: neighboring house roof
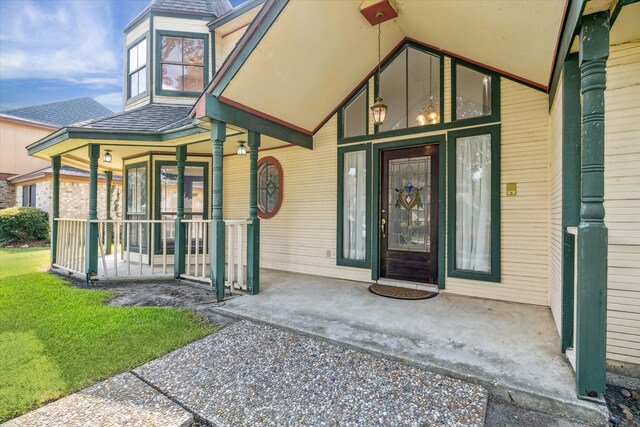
x=151, y=117
x=61, y=113
x=64, y=171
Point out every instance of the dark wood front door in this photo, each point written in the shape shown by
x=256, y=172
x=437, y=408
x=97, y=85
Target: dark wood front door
x=409, y=214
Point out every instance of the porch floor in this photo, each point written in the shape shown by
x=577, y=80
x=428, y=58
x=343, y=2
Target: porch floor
x=513, y=349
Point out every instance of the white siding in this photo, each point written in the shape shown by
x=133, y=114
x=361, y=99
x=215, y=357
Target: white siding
x=622, y=201
x=555, y=207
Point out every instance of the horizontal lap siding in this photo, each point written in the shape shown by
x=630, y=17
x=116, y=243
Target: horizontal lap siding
x=555, y=207
x=525, y=221
x=622, y=201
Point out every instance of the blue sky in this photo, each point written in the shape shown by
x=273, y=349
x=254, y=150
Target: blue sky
x=52, y=50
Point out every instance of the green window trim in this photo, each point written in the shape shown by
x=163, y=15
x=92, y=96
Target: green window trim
x=452, y=271
x=130, y=99
x=341, y=137
x=157, y=192
x=125, y=191
x=495, y=95
x=340, y=259
x=158, y=62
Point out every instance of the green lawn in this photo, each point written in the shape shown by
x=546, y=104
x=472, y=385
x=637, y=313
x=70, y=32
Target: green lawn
x=55, y=339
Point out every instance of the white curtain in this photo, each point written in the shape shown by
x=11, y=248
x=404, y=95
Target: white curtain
x=473, y=203
x=354, y=209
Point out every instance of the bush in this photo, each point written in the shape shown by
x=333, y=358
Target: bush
x=22, y=224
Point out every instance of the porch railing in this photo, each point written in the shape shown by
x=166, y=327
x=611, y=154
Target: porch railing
x=236, y=232
x=71, y=244
x=197, y=254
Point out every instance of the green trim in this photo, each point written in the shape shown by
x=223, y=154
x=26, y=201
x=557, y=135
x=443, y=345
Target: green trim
x=571, y=141
x=157, y=191
x=108, y=175
x=217, y=227
x=127, y=93
x=150, y=59
x=164, y=12
x=494, y=275
x=234, y=13
x=250, y=39
x=341, y=138
x=56, y=162
x=438, y=140
x=340, y=258
x=92, y=228
x=253, y=227
x=495, y=95
x=570, y=28
x=125, y=192
x=158, y=62
x=212, y=37
x=226, y=113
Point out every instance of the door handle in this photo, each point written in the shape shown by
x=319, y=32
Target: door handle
x=383, y=222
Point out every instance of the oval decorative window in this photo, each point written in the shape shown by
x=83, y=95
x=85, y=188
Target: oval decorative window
x=269, y=187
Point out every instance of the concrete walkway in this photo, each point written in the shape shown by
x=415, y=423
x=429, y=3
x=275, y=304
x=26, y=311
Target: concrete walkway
x=510, y=348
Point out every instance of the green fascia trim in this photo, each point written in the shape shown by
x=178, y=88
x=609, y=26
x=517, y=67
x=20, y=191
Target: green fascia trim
x=571, y=154
x=438, y=140
x=271, y=12
x=494, y=275
x=125, y=185
x=495, y=95
x=226, y=113
x=340, y=259
x=130, y=100
x=365, y=88
x=158, y=48
x=569, y=30
x=156, y=208
x=232, y=14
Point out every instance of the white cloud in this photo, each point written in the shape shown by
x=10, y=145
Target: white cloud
x=113, y=100
x=70, y=41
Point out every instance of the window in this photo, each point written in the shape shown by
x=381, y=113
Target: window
x=182, y=63
x=355, y=115
x=409, y=85
x=269, y=187
x=136, y=176
x=474, y=204
x=29, y=195
x=137, y=69
x=475, y=93
x=353, y=205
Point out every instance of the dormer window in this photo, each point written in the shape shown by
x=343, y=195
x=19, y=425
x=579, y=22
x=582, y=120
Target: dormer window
x=182, y=62
x=137, y=69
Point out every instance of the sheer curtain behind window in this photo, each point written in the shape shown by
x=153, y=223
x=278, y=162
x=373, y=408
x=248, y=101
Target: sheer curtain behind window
x=354, y=205
x=473, y=203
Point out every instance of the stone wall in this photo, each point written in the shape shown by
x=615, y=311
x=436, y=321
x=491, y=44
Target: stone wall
x=7, y=194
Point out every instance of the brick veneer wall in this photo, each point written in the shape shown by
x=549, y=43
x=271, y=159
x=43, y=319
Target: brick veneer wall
x=7, y=194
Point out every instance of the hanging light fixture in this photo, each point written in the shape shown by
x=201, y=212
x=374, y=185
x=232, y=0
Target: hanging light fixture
x=379, y=109
x=242, y=150
x=429, y=115
x=107, y=156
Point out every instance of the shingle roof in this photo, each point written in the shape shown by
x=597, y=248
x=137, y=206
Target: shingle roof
x=61, y=113
x=151, y=117
x=64, y=170
x=212, y=7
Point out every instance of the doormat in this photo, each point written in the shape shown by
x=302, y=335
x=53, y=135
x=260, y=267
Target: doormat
x=398, y=292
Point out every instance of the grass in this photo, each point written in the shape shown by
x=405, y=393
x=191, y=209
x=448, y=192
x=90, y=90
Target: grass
x=55, y=339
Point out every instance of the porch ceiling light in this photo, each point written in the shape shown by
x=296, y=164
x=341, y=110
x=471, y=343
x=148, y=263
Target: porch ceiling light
x=379, y=108
x=242, y=150
x=107, y=156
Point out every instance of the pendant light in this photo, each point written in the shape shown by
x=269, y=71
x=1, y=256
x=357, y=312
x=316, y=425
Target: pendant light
x=429, y=116
x=379, y=109
x=107, y=156
x=242, y=150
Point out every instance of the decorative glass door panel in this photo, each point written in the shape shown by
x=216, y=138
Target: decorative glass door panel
x=409, y=214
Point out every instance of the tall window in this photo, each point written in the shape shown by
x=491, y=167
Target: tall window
x=29, y=195
x=409, y=85
x=137, y=69
x=269, y=187
x=136, y=203
x=473, y=91
x=182, y=63
x=474, y=201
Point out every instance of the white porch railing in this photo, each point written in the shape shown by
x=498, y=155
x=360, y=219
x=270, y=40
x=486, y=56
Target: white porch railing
x=236, y=232
x=197, y=254
x=71, y=244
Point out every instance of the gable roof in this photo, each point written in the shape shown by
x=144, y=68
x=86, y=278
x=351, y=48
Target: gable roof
x=211, y=7
x=60, y=113
x=150, y=117
x=67, y=171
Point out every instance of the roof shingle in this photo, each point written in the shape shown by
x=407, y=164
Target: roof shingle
x=212, y=7
x=151, y=117
x=61, y=113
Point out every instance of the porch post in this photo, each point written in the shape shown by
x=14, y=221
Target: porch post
x=179, y=240
x=253, y=228
x=592, y=233
x=217, y=232
x=55, y=205
x=108, y=226
x=92, y=228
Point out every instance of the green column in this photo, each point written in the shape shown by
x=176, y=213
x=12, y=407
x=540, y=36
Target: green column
x=571, y=141
x=216, y=241
x=92, y=228
x=108, y=227
x=591, y=311
x=253, y=228
x=55, y=205
x=179, y=246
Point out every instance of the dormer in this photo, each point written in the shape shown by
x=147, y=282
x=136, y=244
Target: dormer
x=169, y=51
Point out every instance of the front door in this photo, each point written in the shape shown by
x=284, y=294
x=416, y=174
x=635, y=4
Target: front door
x=409, y=214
